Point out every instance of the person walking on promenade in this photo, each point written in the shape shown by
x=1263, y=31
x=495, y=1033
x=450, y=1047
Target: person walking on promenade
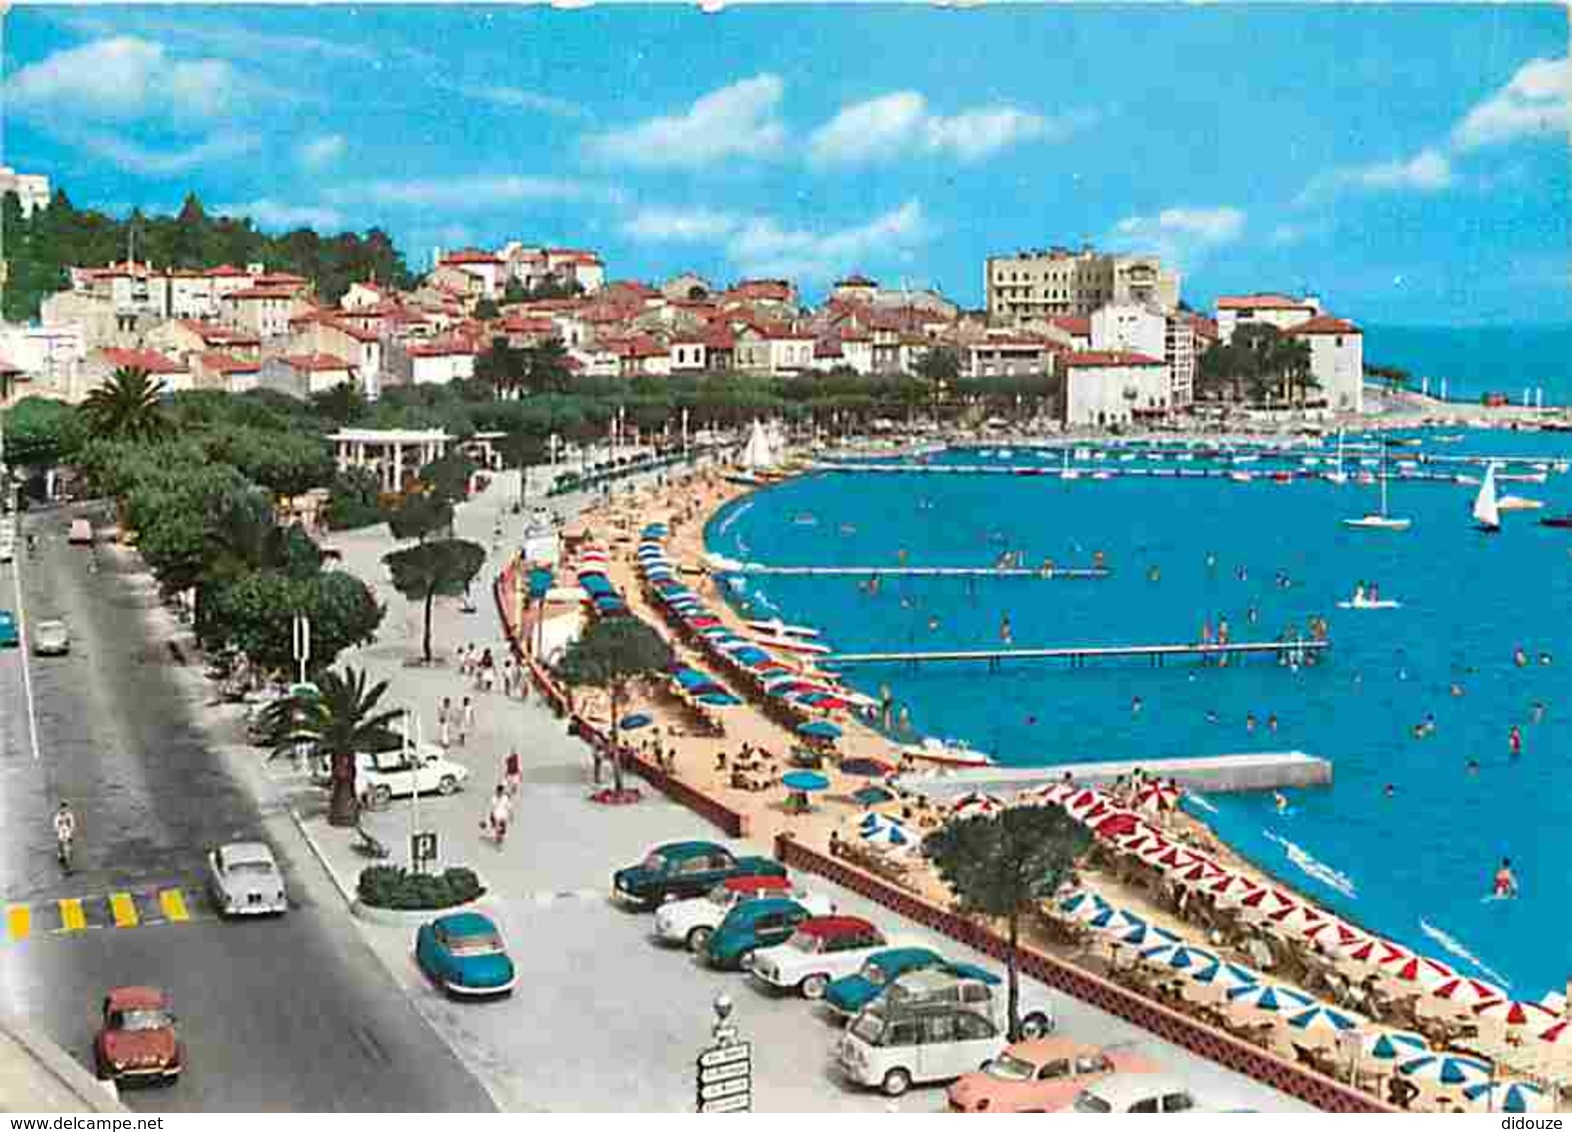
x=512, y=773
x=501, y=814
x=444, y=720
x=488, y=671
x=466, y=720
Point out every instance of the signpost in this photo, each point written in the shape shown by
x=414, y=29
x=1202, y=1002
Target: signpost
x=724, y=1070
x=422, y=848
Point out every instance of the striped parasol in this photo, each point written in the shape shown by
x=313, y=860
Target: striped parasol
x=1322, y=1019
x=1418, y=970
x=1178, y=957
x=1508, y=1096
x=1392, y=1045
x=1373, y=952
x=1447, y=1069
x=1229, y=976
x=1266, y=902
x=1334, y=934
x=1273, y=998
x=1510, y=1012
x=1468, y=993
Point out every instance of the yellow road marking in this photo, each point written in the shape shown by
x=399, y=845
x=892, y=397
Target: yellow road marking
x=173, y=904
x=124, y=909
x=71, y=917
x=18, y=921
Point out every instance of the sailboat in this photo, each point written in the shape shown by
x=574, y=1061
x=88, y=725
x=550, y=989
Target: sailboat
x=1487, y=512
x=1067, y=472
x=1381, y=521
x=1337, y=475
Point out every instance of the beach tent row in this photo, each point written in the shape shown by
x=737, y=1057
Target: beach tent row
x=594, y=581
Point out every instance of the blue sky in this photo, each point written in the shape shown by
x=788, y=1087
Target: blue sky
x=1409, y=164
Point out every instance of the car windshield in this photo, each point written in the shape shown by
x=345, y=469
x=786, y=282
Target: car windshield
x=1091, y=1102
x=874, y=973
x=805, y=941
x=1008, y=1068
x=252, y=868
x=654, y=863
x=143, y=1020
x=869, y=1027
x=483, y=944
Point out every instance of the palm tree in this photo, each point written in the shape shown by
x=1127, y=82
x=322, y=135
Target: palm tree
x=341, y=719
x=126, y=407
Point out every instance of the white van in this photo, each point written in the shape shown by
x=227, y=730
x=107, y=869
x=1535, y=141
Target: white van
x=81, y=533
x=975, y=988
x=890, y=1049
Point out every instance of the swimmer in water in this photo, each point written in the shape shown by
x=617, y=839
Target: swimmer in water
x=1515, y=740
x=1473, y=766
x=1211, y=716
x=1271, y=723
x=1544, y=658
x=1280, y=801
x=933, y=624
x=1006, y=634
x=1250, y=721
x=1154, y=575
x=1457, y=689
x=1390, y=791
x=1211, y=560
x=1519, y=657
x=1537, y=712
x=1505, y=887
x=1135, y=705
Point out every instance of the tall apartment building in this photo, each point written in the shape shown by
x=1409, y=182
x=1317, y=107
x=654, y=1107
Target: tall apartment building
x=1039, y=285
x=1145, y=329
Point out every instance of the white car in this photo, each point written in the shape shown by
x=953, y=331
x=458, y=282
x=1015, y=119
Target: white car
x=51, y=638
x=975, y=988
x=891, y=1049
x=692, y=922
x=1135, y=1092
x=243, y=880
x=386, y=776
x=822, y=949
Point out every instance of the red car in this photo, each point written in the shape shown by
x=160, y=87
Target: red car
x=137, y=1040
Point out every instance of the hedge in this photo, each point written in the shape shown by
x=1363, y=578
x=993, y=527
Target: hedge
x=390, y=886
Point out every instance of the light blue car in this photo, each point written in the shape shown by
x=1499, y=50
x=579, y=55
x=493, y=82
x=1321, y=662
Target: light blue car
x=464, y=955
x=9, y=638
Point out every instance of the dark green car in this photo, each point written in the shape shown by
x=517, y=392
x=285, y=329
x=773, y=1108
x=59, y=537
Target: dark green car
x=750, y=926
x=679, y=870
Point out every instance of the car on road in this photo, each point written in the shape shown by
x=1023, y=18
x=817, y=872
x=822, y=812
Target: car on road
x=1134, y=1092
x=979, y=989
x=1041, y=1075
x=136, y=1039
x=8, y=634
x=892, y=1047
x=390, y=775
x=680, y=870
x=7, y=548
x=80, y=533
x=822, y=948
x=692, y=922
x=465, y=956
x=750, y=926
x=849, y=995
x=243, y=879
x=51, y=638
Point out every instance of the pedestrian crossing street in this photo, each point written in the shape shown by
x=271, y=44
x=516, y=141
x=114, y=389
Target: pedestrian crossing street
x=110, y=911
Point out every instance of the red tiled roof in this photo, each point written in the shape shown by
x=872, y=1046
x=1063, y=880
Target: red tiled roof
x=279, y=279
x=224, y=271
x=1324, y=324
x=856, y=280
x=261, y=293
x=358, y=333
x=440, y=348
x=224, y=363
x=1259, y=302
x=470, y=255
x=777, y=289
x=1073, y=324
x=150, y=360
x=1110, y=358
x=315, y=363
x=520, y=324
x=212, y=334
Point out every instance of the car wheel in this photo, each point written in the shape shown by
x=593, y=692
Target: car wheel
x=699, y=939
x=896, y=1082
x=382, y=795
x=814, y=985
x=448, y=785
x=1034, y=1026
x=745, y=960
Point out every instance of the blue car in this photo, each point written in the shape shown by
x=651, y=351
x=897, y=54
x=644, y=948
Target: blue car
x=750, y=926
x=9, y=638
x=464, y=955
x=847, y=996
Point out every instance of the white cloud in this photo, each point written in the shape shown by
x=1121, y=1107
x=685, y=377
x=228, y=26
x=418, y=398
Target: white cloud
x=324, y=149
x=740, y=120
x=231, y=39
x=139, y=159
x=474, y=192
x=278, y=216
x=1427, y=171
x=761, y=246
x=1285, y=235
x=1534, y=102
x=676, y=225
x=896, y=125
x=514, y=97
x=1180, y=235
x=121, y=79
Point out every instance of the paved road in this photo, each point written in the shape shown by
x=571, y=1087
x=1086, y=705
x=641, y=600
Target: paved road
x=288, y=1014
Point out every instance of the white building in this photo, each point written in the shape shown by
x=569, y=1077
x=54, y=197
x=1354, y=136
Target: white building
x=1141, y=329
x=489, y=271
x=49, y=358
x=396, y=455
x=1280, y=311
x=1337, y=360
x=1104, y=388
x=31, y=189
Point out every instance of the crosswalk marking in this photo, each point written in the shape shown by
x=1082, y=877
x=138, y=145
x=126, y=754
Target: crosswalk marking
x=72, y=918
x=18, y=921
x=123, y=908
x=174, y=905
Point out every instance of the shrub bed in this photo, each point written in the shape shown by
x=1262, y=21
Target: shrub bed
x=390, y=886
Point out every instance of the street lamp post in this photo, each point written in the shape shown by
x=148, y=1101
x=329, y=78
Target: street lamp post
x=302, y=643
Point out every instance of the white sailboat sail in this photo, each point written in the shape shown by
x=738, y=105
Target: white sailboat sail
x=1487, y=511
x=757, y=454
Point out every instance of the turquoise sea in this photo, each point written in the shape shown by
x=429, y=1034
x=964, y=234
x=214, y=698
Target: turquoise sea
x=1476, y=360
x=1416, y=866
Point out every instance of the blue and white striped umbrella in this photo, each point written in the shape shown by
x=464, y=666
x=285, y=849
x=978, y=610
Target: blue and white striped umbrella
x=1113, y=920
x=1082, y=903
x=1508, y=1096
x=1178, y=957
x=1447, y=1069
x=1322, y=1019
x=1272, y=998
x=1393, y=1045
x=1144, y=934
x=1229, y=976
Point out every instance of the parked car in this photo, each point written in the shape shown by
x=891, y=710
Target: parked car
x=821, y=949
x=977, y=989
x=849, y=995
x=51, y=638
x=692, y=922
x=680, y=870
x=750, y=926
x=892, y=1047
x=8, y=634
x=464, y=955
x=136, y=1039
x=388, y=775
x=7, y=548
x=1041, y=1075
x=243, y=879
x=80, y=533
x=1120, y=1093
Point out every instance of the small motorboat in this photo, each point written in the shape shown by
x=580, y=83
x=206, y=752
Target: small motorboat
x=1562, y=521
x=778, y=628
x=1240, y=477
x=952, y=754
x=1358, y=601
x=1518, y=503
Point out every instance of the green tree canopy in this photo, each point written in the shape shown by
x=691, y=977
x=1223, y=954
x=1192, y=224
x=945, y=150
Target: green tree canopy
x=611, y=654
x=254, y=615
x=126, y=407
x=428, y=570
x=344, y=719
x=40, y=432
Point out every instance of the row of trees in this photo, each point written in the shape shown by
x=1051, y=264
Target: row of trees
x=1261, y=365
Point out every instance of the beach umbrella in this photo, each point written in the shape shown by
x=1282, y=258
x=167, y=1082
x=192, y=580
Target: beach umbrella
x=718, y=699
x=1559, y=1035
x=1447, y=1069
x=1266, y=901
x=692, y=679
x=1322, y=1019
x=702, y=620
x=1140, y=933
x=1058, y=792
x=1194, y=870
x=1512, y=1013
x=1375, y=952
x=1083, y=803
x=1296, y=920
x=1157, y=797
x=635, y=721
x=891, y=835
x=1178, y=957
x=1273, y=998
x=1142, y=840
x=1392, y=1045
x=1334, y=934
x=1109, y=919
x=1081, y=903
x=804, y=781
x=1229, y=976
x=1468, y=992
x=1117, y=825
x=1230, y=887
x=1418, y=970
x=866, y=768
x=819, y=729
x=974, y=805
x=872, y=796
x=1508, y=1096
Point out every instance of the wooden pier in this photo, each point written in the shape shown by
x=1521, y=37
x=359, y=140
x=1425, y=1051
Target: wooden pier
x=1210, y=774
x=1056, y=574
x=1297, y=650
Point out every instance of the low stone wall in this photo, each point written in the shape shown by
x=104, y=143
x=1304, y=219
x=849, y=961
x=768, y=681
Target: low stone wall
x=1179, y=1029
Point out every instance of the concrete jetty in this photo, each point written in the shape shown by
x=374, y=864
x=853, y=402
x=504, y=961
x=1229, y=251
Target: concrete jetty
x=1054, y=574
x=1210, y=774
x=1297, y=650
